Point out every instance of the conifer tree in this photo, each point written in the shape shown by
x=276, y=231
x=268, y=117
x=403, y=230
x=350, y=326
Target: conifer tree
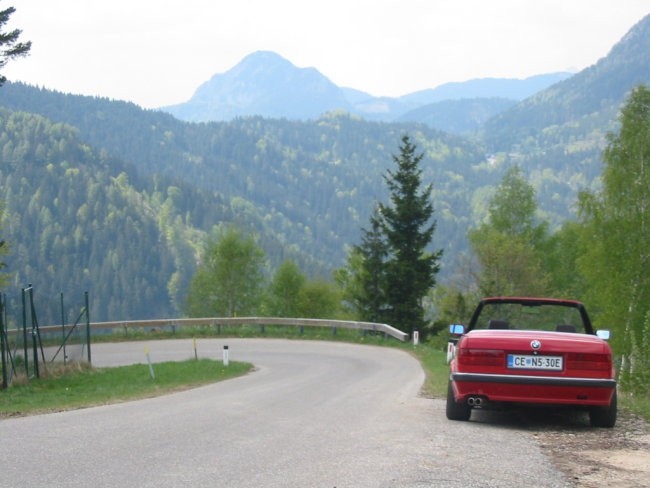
x=408, y=227
x=10, y=47
x=371, y=292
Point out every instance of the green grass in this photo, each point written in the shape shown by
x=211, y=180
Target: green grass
x=434, y=363
x=639, y=404
x=83, y=386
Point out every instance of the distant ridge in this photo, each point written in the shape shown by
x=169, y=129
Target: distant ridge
x=265, y=84
x=587, y=100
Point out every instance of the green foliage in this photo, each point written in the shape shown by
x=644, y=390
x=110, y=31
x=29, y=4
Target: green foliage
x=512, y=209
x=75, y=222
x=616, y=263
x=561, y=254
x=369, y=290
x=78, y=386
x=409, y=271
x=283, y=295
x=508, y=246
x=10, y=47
x=4, y=250
x=319, y=299
x=230, y=279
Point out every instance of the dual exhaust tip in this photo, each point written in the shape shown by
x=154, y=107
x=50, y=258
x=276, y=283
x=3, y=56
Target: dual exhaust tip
x=475, y=401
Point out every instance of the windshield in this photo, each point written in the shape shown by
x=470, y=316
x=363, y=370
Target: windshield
x=549, y=317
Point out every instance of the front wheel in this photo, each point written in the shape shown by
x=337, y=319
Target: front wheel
x=604, y=416
x=456, y=410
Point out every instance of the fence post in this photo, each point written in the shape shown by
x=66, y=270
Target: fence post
x=65, y=356
x=25, y=353
x=34, y=332
x=3, y=345
x=87, y=327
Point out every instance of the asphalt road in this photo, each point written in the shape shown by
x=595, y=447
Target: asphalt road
x=313, y=414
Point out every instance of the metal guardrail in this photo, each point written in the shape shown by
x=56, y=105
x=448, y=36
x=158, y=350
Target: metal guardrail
x=261, y=321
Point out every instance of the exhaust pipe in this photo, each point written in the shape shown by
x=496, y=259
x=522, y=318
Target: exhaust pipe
x=475, y=401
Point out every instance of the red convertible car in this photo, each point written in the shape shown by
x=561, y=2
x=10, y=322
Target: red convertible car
x=531, y=351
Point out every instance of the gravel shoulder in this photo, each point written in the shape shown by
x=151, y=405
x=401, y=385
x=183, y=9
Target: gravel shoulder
x=593, y=458
x=588, y=457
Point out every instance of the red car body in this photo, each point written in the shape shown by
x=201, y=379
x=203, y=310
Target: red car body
x=533, y=351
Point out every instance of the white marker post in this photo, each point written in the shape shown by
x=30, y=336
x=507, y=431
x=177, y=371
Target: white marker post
x=416, y=337
x=151, y=373
x=225, y=356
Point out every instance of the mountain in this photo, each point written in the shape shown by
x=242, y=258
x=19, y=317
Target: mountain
x=563, y=129
x=265, y=84
x=508, y=88
x=591, y=97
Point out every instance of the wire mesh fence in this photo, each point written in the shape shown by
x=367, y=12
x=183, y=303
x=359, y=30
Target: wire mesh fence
x=26, y=348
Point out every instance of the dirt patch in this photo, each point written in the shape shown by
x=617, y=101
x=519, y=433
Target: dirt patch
x=593, y=458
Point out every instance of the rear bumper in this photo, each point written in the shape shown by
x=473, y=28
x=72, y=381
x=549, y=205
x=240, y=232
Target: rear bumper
x=534, y=389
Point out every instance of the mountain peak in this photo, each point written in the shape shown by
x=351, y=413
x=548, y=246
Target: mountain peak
x=265, y=84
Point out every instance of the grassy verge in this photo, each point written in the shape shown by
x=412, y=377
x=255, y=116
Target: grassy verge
x=639, y=404
x=434, y=363
x=82, y=386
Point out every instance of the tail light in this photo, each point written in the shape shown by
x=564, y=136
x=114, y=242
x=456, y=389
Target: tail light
x=591, y=362
x=480, y=357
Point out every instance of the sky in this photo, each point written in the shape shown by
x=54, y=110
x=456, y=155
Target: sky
x=157, y=52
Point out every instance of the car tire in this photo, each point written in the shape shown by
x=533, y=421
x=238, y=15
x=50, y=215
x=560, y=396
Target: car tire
x=456, y=410
x=604, y=416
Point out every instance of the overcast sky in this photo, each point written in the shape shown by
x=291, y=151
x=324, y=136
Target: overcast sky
x=157, y=52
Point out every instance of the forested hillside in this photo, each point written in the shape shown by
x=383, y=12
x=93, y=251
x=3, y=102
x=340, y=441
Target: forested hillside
x=559, y=134
x=313, y=183
x=76, y=222
x=101, y=195
x=304, y=188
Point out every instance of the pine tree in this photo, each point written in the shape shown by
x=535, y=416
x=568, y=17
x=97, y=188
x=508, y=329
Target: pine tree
x=9, y=46
x=410, y=270
x=371, y=292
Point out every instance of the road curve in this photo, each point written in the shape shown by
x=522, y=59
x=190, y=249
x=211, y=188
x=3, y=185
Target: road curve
x=313, y=414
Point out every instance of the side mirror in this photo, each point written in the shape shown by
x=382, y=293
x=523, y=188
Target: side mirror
x=456, y=329
x=603, y=334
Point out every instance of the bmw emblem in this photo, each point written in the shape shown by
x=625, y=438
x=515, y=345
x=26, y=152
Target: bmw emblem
x=535, y=344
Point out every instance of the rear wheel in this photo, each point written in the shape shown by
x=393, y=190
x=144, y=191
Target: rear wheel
x=604, y=416
x=456, y=410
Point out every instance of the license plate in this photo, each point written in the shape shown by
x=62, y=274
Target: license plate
x=524, y=361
